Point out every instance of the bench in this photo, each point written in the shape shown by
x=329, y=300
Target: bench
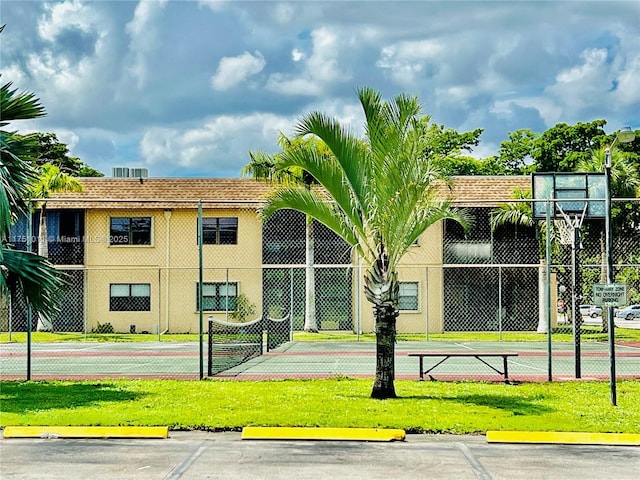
x=477, y=355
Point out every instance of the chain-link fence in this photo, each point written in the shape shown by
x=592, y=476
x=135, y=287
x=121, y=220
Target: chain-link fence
x=157, y=289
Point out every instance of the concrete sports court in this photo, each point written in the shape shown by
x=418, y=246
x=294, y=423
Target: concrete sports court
x=90, y=360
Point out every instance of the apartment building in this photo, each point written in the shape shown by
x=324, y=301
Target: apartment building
x=130, y=248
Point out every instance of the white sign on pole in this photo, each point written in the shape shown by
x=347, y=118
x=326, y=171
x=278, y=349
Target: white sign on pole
x=610, y=295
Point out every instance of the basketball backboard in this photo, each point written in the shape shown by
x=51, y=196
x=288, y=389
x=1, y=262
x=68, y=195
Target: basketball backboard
x=569, y=192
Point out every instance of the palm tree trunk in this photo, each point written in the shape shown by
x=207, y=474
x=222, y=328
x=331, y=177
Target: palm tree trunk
x=44, y=323
x=43, y=245
x=310, y=321
x=385, y=317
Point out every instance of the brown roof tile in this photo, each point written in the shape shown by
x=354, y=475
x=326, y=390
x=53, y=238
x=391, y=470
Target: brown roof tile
x=112, y=193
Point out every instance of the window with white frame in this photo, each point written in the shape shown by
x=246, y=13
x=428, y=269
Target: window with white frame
x=408, y=299
x=217, y=296
x=130, y=297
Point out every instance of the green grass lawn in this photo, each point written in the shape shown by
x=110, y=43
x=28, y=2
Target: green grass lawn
x=589, y=333
x=433, y=407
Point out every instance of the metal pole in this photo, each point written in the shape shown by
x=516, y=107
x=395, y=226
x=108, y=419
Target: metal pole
x=200, y=294
x=575, y=310
x=499, y=303
x=610, y=280
x=29, y=310
x=291, y=304
x=548, y=294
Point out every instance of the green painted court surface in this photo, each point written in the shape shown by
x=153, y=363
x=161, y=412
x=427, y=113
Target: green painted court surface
x=311, y=360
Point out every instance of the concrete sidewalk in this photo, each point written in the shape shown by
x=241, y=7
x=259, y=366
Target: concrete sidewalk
x=202, y=455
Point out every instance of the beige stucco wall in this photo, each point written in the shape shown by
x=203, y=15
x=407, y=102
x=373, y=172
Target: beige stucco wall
x=170, y=267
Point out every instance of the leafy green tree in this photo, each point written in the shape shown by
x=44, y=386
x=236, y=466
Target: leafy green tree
x=379, y=194
x=515, y=154
x=52, y=151
x=447, y=148
x=563, y=146
x=22, y=271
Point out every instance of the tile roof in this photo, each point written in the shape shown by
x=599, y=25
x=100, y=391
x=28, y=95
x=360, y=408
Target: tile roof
x=110, y=193
x=116, y=193
x=488, y=190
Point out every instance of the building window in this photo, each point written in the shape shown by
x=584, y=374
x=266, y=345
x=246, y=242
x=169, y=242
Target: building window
x=408, y=296
x=130, y=231
x=217, y=297
x=219, y=231
x=130, y=297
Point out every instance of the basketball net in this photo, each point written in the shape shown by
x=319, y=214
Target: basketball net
x=567, y=225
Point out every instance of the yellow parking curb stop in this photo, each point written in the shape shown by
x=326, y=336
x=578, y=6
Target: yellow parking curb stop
x=580, y=438
x=85, y=432
x=318, y=433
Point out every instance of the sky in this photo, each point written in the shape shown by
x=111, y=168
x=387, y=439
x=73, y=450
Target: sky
x=188, y=88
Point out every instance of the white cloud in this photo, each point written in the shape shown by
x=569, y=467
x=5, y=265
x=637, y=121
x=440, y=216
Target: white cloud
x=548, y=109
x=13, y=73
x=221, y=142
x=283, y=13
x=65, y=80
x=297, y=55
x=215, y=5
x=62, y=16
x=234, y=70
x=144, y=37
x=288, y=85
x=407, y=61
x=321, y=69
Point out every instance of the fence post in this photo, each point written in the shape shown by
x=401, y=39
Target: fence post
x=29, y=310
x=548, y=292
x=200, y=295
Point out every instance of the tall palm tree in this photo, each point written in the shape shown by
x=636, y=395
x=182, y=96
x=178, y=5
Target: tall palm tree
x=379, y=194
x=50, y=180
x=265, y=167
x=21, y=271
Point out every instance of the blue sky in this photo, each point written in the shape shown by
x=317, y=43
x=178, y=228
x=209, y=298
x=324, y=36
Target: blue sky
x=188, y=88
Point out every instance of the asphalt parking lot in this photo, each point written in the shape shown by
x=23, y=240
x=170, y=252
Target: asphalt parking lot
x=202, y=455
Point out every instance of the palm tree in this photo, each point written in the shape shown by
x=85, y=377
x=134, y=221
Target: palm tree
x=379, y=194
x=22, y=271
x=51, y=180
x=265, y=167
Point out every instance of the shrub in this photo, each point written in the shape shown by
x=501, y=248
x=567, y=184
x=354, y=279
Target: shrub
x=103, y=328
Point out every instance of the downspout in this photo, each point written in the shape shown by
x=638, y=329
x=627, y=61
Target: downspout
x=167, y=263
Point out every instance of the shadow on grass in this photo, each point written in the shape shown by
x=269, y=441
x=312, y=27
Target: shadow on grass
x=25, y=397
x=514, y=405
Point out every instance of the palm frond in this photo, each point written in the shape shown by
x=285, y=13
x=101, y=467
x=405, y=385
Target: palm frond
x=51, y=180
x=16, y=105
x=39, y=281
x=316, y=206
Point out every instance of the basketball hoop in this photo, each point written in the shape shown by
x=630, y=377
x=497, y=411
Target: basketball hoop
x=565, y=231
x=568, y=225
